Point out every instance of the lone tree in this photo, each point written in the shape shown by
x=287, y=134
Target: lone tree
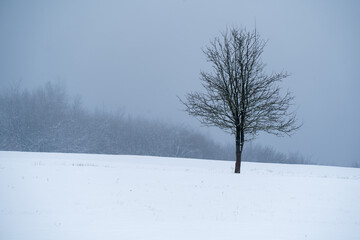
x=239, y=96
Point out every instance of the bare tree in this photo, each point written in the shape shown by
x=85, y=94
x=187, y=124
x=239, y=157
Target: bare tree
x=239, y=96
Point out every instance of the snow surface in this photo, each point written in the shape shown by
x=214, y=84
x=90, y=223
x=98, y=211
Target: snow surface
x=81, y=196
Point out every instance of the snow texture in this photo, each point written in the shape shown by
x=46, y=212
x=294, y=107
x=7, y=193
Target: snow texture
x=82, y=196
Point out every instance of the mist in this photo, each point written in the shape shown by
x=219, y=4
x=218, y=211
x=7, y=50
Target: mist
x=139, y=56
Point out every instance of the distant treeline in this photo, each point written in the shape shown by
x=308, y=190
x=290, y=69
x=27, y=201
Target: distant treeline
x=48, y=120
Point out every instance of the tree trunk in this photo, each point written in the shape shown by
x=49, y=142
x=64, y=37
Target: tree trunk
x=238, y=150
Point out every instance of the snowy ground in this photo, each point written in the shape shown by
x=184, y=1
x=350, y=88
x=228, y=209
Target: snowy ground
x=79, y=196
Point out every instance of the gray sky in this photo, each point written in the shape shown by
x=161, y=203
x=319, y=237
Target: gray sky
x=139, y=55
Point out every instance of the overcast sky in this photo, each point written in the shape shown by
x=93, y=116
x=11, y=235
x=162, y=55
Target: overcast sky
x=138, y=56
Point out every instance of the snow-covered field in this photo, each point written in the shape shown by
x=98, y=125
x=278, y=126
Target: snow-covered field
x=79, y=196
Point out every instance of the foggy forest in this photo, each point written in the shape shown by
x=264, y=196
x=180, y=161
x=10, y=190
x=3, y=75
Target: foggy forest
x=48, y=119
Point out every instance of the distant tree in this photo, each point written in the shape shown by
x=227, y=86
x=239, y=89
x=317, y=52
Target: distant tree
x=239, y=96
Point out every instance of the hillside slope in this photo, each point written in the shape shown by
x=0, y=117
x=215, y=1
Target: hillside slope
x=80, y=196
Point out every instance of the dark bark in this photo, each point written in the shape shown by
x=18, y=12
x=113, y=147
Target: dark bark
x=238, y=150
